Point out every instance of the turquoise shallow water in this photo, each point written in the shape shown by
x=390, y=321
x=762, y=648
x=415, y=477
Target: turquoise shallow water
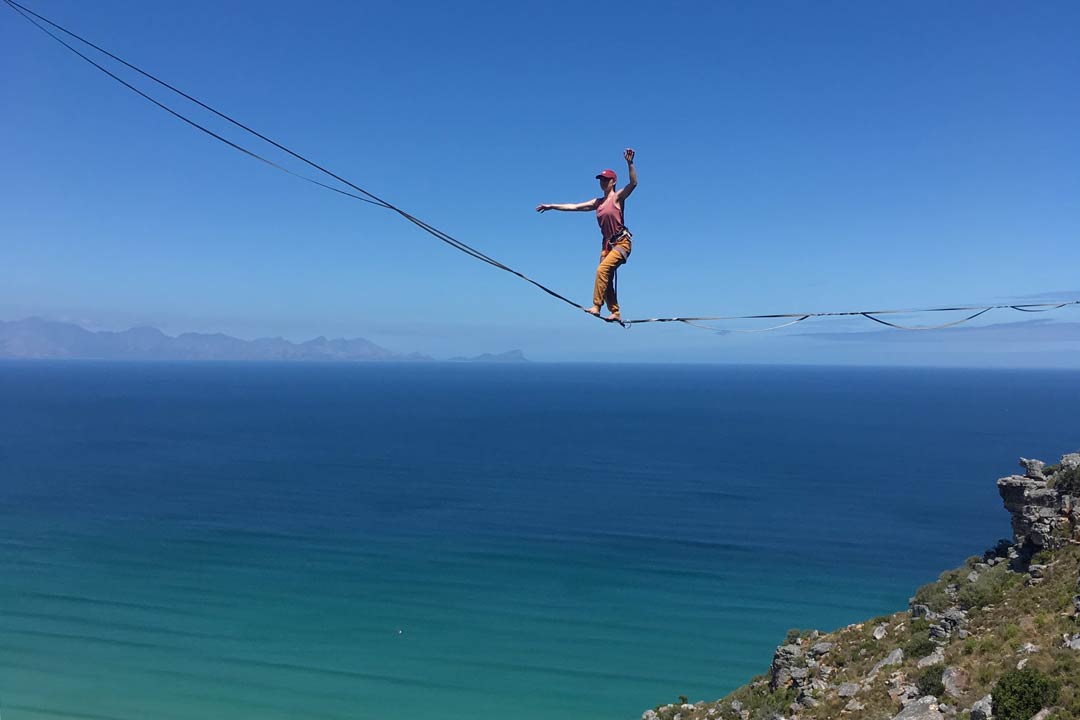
x=455, y=541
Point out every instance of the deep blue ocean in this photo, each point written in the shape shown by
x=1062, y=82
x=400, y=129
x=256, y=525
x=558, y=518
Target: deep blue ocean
x=461, y=541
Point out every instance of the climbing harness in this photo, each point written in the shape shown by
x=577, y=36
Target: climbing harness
x=611, y=243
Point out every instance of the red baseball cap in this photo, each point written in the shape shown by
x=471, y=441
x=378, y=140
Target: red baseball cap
x=610, y=174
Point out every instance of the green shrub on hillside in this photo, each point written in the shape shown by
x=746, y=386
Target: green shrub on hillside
x=919, y=647
x=933, y=596
x=976, y=596
x=1019, y=694
x=989, y=589
x=761, y=703
x=929, y=681
x=1067, y=481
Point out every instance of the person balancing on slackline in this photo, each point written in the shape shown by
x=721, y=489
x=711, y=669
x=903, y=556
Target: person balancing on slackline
x=616, y=249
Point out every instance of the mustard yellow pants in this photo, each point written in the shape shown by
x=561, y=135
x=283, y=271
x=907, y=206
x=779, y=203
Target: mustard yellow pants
x=604, y=289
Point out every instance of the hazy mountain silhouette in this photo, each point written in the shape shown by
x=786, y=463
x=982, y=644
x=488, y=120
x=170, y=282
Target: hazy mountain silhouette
x=35, y=338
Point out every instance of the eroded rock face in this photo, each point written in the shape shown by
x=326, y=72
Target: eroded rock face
x=785, y=659
x=896, y=657
x=983, y=709
x=956, y=681
x=953, y=619
x=848, y=689
x=905, y=694
x=1033, y=468
x=923, y=709
x=922, y=611
x=1034, y=508
x=1039, y=512
x=943, y=625
x=935, y=658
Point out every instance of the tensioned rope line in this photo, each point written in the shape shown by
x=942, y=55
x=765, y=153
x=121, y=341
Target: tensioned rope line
x=374, y=199
x=370, y=198
x=209, y=132
x=868, y=314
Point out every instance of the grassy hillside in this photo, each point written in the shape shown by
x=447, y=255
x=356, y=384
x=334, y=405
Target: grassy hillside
x=998, y=634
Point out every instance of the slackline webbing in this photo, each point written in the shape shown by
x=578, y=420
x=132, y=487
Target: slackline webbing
x=372, y=199
x=365, y=195
x=793, y=318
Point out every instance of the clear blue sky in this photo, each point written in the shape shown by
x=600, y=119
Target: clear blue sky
x=792, y=155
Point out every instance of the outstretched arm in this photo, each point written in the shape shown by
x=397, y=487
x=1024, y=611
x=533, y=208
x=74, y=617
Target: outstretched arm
x=625, y=192
x=570, y=207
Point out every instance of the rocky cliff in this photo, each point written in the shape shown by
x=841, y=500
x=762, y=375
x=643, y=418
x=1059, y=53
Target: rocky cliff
x=996, y=638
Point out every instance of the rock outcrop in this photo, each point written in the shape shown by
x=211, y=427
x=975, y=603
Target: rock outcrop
x=1043, y=511
x=928, y=663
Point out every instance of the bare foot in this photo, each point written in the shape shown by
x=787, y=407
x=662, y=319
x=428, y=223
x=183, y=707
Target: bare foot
x=593, y=311
x=614, y=317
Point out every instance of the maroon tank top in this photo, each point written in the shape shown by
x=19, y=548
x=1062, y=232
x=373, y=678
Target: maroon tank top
x=610, y=216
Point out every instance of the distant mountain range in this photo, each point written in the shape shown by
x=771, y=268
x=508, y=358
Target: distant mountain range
x=35, y=338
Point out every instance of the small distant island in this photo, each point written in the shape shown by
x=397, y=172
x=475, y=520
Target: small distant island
x=39, y=339
x=512, y=356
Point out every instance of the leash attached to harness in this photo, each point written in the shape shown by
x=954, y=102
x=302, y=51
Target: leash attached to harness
x=610, y=243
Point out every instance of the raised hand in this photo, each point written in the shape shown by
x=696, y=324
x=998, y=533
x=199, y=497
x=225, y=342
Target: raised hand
x=629, y=155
